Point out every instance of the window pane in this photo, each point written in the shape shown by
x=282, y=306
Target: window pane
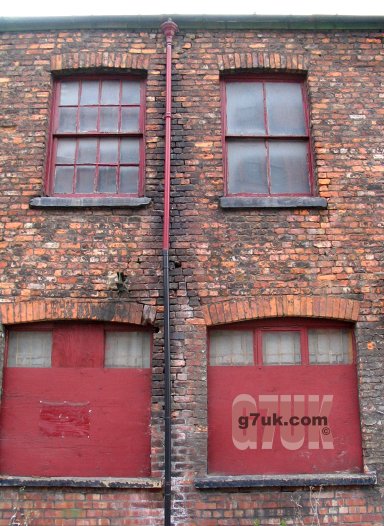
x=131, y=92
x=107, y=179
x=87, y=151
x=109, y=119
x=289, y=167
x=129, y=179
x=109, y=150
x=330, y=346
x=67, y=119
x=64, y=180
x=231, y=348
x=245, y=110
x=285, y=108
x=247, y=167
x=110, y=92
x=88, y=119
x=69, y=94
x=281, y=348
x=66, y=149
x=89, y=92
x=130, y=119
x=29, y=349
x=85, y=179
x=130, y=151
x=127, y=349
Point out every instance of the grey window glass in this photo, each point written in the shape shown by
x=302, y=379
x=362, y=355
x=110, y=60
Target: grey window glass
x=245, y=110
x=127, y=349
x=281, y=348
x=247, y=167
x=64, y=179
x=330, y=346
x=29, y=349
x=231, y=348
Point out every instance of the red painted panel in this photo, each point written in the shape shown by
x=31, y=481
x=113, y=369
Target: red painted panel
x=78, y=345
x=65, y=419
x=240, y=442
x=108, y=433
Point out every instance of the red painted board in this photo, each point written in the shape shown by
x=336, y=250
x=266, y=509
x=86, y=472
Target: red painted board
x=272, y=446
x=75, y=422
x=78, y=345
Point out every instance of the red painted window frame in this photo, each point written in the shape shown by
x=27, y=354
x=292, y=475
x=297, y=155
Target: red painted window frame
x=278, y=78
x=288, y=324
x=227, y=381
x=123, y=466
x=53, y=136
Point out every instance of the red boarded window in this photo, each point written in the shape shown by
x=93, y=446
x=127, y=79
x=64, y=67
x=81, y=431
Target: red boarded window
x=97, y=137
x=267, y=137
x=283, y=398
x=76, y=401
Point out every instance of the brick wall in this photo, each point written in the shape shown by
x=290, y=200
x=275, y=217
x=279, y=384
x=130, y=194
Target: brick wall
x=228, y=265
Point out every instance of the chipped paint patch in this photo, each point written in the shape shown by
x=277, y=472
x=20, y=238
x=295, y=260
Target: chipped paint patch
x=65, y=419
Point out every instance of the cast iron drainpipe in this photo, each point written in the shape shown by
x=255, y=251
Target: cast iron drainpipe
x=169, y=29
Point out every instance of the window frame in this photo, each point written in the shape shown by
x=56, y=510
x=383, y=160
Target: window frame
x=226, y=137
x=134, y=470
x=55, y=135
x=284, y=325
x=230, y=385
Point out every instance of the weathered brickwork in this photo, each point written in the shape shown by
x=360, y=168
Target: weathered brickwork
x=228, y=265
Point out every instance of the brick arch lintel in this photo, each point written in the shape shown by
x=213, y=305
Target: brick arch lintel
x=292, y=62
x=281, y=306
x=73, y=309
x=99, y=60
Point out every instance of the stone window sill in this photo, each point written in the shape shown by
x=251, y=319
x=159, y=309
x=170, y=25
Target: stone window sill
x=266, y=481
x=84, y=202
x=273, y=202
x=81, y=482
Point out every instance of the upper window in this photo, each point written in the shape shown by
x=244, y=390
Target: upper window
x=96, y=146
x=76, y=401
x=282, y=398
x=267, y=137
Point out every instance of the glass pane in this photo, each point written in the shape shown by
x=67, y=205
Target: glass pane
x=85, y=179
x=64, y=180
x=330, y=346
x=89, y=92
x=66, y=150
x=131, y=92
x=247, y=167
x=130, y=151
x=281, y=348
x=107, y=179
x=69, y=94
x=129, y=179
x=289, y=167
x=130, y=119
x=127, y=349
x=87, y=151
x=29, y=349
x=109, y=119
x=67, y=119
x=109, y=150
x=245, y=108
x=110, y=92
x=88, y=119
x=285, y=108
x=231, y=348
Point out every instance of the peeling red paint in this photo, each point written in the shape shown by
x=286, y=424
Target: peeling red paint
x=65, y=419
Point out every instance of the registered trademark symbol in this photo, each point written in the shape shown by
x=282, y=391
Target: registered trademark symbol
x=326, y=431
